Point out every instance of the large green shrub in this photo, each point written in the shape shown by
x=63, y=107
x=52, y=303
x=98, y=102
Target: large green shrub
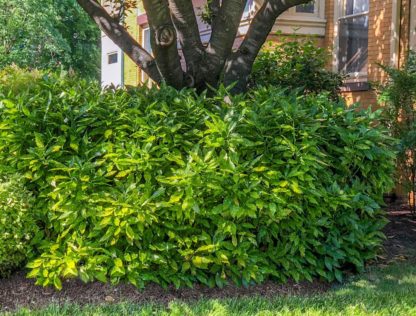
x=398, y=98
x=297, y=65
x=17, y=224
x=171, y=187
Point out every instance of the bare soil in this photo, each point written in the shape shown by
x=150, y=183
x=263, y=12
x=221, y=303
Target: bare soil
x=17, y=291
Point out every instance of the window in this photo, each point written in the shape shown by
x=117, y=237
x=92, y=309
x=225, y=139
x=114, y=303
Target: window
x=306, y=8
x=305, y=19
x=313, y=9
x=146, y=40
x=148, y=47
x=248, y=10
x=112, y=58
x=353, y=38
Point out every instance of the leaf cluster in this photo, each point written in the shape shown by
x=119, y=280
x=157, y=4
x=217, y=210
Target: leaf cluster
x=17, y=224
x=398, y=97
x=296, y=64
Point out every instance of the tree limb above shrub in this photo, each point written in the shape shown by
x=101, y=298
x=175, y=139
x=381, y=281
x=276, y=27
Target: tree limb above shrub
x=175, y=21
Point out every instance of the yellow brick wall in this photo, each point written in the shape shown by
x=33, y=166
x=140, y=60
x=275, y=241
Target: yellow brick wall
x=131, y=73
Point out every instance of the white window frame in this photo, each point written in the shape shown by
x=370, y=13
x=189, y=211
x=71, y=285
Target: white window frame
x=143, y=75
x=340, y=6
x=303, y=23
x=144, y=31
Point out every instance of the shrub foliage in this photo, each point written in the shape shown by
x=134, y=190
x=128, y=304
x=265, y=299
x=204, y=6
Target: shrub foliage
x=296, y=65
x=175, y=188
x=17, y=224
x=398, y=97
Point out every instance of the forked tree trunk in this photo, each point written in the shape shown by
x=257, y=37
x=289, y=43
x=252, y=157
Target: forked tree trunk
x=174, y=22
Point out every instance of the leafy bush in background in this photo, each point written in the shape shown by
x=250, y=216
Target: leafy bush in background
x=49, y=35
x=17, y=224
x=398, y=97
x=296, y=65
x=175, y=188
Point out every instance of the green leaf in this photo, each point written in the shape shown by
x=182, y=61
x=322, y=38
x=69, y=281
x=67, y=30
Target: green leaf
x=201, y=262
x=108, y=133
x=57, y=283
x=39, y=141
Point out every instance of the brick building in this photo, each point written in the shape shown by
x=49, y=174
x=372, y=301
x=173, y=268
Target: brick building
x=359, y=34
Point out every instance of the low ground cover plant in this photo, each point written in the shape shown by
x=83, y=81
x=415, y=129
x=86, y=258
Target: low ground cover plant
x=156, y=185
x=17, y=224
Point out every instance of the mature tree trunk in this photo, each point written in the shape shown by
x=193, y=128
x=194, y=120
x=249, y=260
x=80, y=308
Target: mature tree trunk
x=184, y=19
x=173, y=26
x=224, y=30
x=164, y=42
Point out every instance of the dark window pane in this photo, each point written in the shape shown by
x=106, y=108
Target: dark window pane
x=146, y=41
x=305, y=8
x=113, y=58
x=353, y=44
x=356, y=6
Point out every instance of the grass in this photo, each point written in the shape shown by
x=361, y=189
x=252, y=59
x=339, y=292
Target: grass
x=380, y=291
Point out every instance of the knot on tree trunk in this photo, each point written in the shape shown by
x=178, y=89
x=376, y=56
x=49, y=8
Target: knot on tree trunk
x=165, y=35
x=189, y=80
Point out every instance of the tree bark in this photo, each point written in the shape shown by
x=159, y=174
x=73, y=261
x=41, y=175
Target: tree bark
x=164, y=42
x=184, y=20
x=224, y=30
x=118, y=34
x=239, y=65
x=171, y=21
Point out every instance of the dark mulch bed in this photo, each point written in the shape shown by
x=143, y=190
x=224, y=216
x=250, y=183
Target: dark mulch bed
x=401, y=234
x=17, y=291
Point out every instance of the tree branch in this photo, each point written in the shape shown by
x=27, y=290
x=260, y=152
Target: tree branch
x=238, y=67
x=184, y=19
x=164, y=42
x=119, y=35
x=214, y=7
x=224, y=30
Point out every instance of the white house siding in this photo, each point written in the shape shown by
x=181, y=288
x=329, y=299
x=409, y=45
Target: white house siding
x=111, y=73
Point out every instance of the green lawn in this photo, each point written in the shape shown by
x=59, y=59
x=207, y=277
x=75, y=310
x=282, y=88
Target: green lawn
x=380, y=291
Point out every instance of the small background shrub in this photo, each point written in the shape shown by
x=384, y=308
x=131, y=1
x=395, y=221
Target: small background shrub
x=17, y=224
x=296, y=64
x=398, y=98
x=175, y=188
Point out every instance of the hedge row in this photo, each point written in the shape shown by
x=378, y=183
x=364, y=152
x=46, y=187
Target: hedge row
x=170, y=187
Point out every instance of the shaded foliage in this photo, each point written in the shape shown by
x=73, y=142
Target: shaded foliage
x=296, y=64
x=398, y=97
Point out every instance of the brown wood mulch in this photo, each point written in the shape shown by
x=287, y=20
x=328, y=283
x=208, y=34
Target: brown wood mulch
x=17, y=291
